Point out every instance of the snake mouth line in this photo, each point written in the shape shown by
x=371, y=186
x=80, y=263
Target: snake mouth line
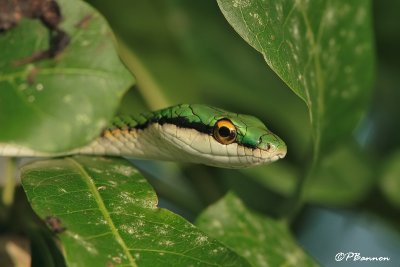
x=282, y=153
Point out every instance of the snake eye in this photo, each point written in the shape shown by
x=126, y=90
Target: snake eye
x=224, y=132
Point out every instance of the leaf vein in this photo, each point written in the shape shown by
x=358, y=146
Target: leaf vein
x=102, y=207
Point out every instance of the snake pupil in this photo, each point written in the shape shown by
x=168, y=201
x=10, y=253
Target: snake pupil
x=224, y=132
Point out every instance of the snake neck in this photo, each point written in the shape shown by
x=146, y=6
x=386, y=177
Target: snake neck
x=130, y=141
x=128, y=136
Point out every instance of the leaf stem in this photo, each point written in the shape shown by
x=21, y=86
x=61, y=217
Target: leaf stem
x=147, y=86
x=297, y=200
x=9, y=188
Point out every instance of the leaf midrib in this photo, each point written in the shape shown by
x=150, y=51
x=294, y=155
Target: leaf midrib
x=106, y=215
x=319, y=79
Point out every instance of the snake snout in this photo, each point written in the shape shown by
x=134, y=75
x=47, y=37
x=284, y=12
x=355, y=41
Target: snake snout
x=281, y=151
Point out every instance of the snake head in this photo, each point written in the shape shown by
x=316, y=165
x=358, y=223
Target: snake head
x=253, y=143
x=212, y=136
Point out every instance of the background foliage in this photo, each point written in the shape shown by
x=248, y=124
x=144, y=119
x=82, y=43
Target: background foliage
x=341, y=165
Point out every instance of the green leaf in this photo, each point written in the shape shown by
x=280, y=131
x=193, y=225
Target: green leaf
x=111, y=217
x=60, y=103
x=321, y=49
x=390, y=180
x=261, y=240
x=344, y=176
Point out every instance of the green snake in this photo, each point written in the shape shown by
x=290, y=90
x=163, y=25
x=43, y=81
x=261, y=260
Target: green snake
x=186, y=133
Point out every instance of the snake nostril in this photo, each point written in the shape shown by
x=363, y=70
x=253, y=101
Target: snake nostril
x=268, y=146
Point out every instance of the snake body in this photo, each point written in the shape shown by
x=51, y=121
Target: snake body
x=187, y=133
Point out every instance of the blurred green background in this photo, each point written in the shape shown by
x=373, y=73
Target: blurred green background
x=186, y=52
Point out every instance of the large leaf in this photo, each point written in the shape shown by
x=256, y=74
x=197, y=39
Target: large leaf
x=261, y=240
x=60, y=103
x=111, y=217
x=322, y=49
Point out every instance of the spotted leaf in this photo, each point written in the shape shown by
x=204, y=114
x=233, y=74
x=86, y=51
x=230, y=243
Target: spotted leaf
x=109, y=217
x=63, y=102
x=261, y=240
x=321, y=49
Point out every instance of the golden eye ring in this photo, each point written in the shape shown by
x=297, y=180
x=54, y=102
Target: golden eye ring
x=224, y=132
